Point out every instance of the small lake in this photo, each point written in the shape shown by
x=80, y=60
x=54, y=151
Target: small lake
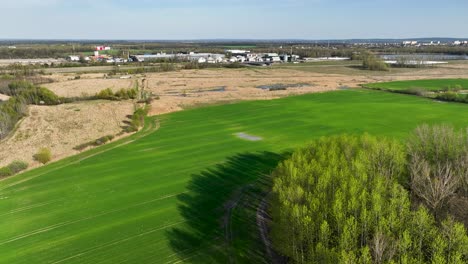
x=424, y=57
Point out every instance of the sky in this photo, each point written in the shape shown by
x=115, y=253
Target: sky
x=232, y=19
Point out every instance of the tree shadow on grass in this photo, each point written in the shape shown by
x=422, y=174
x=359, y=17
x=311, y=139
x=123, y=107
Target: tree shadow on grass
x=219, y=210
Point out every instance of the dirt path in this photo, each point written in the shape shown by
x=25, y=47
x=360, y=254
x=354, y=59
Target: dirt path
x=263, y=219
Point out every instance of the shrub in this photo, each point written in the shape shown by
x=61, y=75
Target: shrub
x=16, y=87
x=81, y=147
x=103, y=140
x=448, y=96
x=122, y=94
x=17, y=166
x=138, y=119
x=417, y=91
x=372, y=63
x=40, y=95
x=44, y=155
x=5, y=172
x=98, y=142
x=106, y=94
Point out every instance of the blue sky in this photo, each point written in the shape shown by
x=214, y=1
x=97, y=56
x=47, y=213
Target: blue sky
x=234, y=19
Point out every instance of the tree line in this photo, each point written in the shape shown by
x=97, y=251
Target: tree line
x=362, y=199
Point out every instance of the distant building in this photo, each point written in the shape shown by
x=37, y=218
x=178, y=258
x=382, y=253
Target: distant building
x=233, y=59
x=271, y=57
x=238, y=52
x=103, y=48
x=410, y=43
x=73, y=58
x=188, y=57
x=201, y=60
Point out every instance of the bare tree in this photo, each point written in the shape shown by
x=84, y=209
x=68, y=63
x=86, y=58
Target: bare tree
x=438, y=164
x=383, y=249
x=433, y=184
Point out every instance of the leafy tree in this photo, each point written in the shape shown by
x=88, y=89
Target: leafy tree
x=339, y=200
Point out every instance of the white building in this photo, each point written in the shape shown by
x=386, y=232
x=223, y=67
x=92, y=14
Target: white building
x=271, y=57
x=241, y=59
x=233, y=59
x=234, y=51
x=73, y=58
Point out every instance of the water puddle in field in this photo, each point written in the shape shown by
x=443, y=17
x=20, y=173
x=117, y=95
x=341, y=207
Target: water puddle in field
x=248, y=137
x=282, y=86
x=217, y=89
x=344, y=87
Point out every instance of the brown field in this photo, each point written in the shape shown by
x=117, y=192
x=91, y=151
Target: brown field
x=88, y=85
x=63, y=127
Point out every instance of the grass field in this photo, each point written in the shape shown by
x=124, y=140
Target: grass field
x=432, y=85
x=166, y=196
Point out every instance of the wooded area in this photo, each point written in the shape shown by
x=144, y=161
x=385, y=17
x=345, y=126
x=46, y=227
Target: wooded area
x=343, y=199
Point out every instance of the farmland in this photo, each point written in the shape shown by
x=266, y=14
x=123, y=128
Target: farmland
x=429, y=84
x=160, y=196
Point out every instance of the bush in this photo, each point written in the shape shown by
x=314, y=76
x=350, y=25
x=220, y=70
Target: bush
x=5, y=172
x=138, y=119
x=372, y=63
x=106, y=94
x=17, y=166
x=98, y=142
x=103, y=140
x=16, y=87
x=122, y=94
x=417, y=91
x=40, y=95
x=455, y=88
x=44, y=155
x=449, y=96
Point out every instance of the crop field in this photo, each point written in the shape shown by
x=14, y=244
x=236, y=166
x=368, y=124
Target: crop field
x=431, y=85
x=174, y=192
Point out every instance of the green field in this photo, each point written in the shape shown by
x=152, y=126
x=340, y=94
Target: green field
x=432, y=85
x=162, y=197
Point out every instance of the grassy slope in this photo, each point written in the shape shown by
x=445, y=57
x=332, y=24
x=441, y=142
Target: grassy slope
x=165, y=192
x=433, y=85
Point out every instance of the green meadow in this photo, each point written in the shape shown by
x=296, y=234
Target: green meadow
x=185, y=188
x=431, y=85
